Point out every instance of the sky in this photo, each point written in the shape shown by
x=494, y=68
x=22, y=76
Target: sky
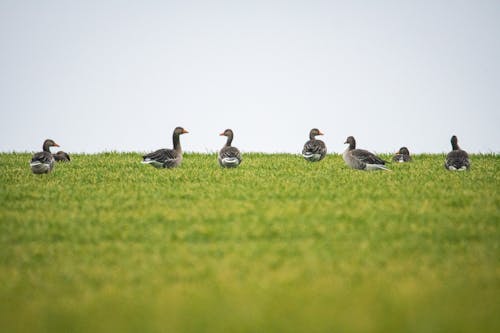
x=121, y=75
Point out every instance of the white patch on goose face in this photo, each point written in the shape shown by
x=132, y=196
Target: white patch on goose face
x=401, y=160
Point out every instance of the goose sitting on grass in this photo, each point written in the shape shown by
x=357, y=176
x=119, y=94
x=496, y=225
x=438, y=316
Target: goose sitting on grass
x=229, y=157
x=361, y=159
x=167, y=158
x=402, y=156
x=314, y=150
x=43, y=162
x=457, y=159
x=61, y=156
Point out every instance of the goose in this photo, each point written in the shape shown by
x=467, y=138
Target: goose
x=314, y=150
x=167, y=158
x=43, y=162
x=361, y=159
x=229, y=157
x=403, y=155
x=61, y=156
x=457, y=159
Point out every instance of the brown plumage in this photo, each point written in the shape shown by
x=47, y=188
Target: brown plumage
x=43, y=162
x=167, y=158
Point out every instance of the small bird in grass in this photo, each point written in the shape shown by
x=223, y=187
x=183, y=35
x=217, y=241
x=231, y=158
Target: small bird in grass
x=167, y=158
x=61, y=156
x=402, y=156
x=314, y=150
x=457, y=159
x=361, y=159
x=43, y=162
x=229, y=157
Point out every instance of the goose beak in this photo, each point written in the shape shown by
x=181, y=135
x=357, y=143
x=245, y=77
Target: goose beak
x=184, y=131
x=222, y=134
x=56, y=145
x=345, y=142
x=320, y=133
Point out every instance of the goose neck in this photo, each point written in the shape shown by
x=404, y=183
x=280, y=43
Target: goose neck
x=229, y=140
x=177, y=142
x=46, y=147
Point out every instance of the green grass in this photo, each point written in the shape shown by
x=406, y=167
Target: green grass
x=105, y=244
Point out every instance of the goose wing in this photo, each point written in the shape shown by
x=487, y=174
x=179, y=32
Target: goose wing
x=61, y=156
x=161, y=155
x=366, y=157
x=457, y=159
x=230, y=152
x=314, y=147
x=42, y=157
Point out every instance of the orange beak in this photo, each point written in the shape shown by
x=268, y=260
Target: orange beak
x=320, y=133
x=222, y=134
x=184, y=131
x=56, y=145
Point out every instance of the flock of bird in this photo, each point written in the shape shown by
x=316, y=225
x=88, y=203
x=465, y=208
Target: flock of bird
x=229, y=157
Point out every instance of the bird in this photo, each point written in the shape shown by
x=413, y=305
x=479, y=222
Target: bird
x=229, y=157
x=61, y=156
x=361, y=159
x=314, y=150
x=457, y=159
x=403, y=155
x=43, y=162
x=167, y=158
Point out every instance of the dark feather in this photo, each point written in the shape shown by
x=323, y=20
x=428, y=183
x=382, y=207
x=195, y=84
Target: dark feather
x=230, y=152
x=61, y=156
x=366, y=157
x=315, y=147
x=458, y=159
x=161, y=155
x=42, y=157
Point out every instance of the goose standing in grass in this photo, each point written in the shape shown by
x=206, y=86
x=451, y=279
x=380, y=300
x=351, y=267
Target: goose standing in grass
x=61, y=156
x=43, y=162
x=229, y=157
x=314, y=150
x=167, y=158
x=361, y=159
x=402, y=156
x=457, y=159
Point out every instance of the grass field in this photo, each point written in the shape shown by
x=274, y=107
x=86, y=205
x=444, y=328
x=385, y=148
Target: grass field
x=105, y=244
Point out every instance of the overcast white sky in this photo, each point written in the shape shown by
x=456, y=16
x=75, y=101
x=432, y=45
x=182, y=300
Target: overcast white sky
x=120, y=75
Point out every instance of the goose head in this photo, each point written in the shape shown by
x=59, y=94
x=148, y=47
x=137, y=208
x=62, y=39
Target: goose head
x=179, y=130
x=351, y=142
x=403, y=151
x=228, y=133
x=49, y=143
x=314, y=132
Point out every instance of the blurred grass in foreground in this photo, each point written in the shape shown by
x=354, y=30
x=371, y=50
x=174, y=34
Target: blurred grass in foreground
x=279, y=244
